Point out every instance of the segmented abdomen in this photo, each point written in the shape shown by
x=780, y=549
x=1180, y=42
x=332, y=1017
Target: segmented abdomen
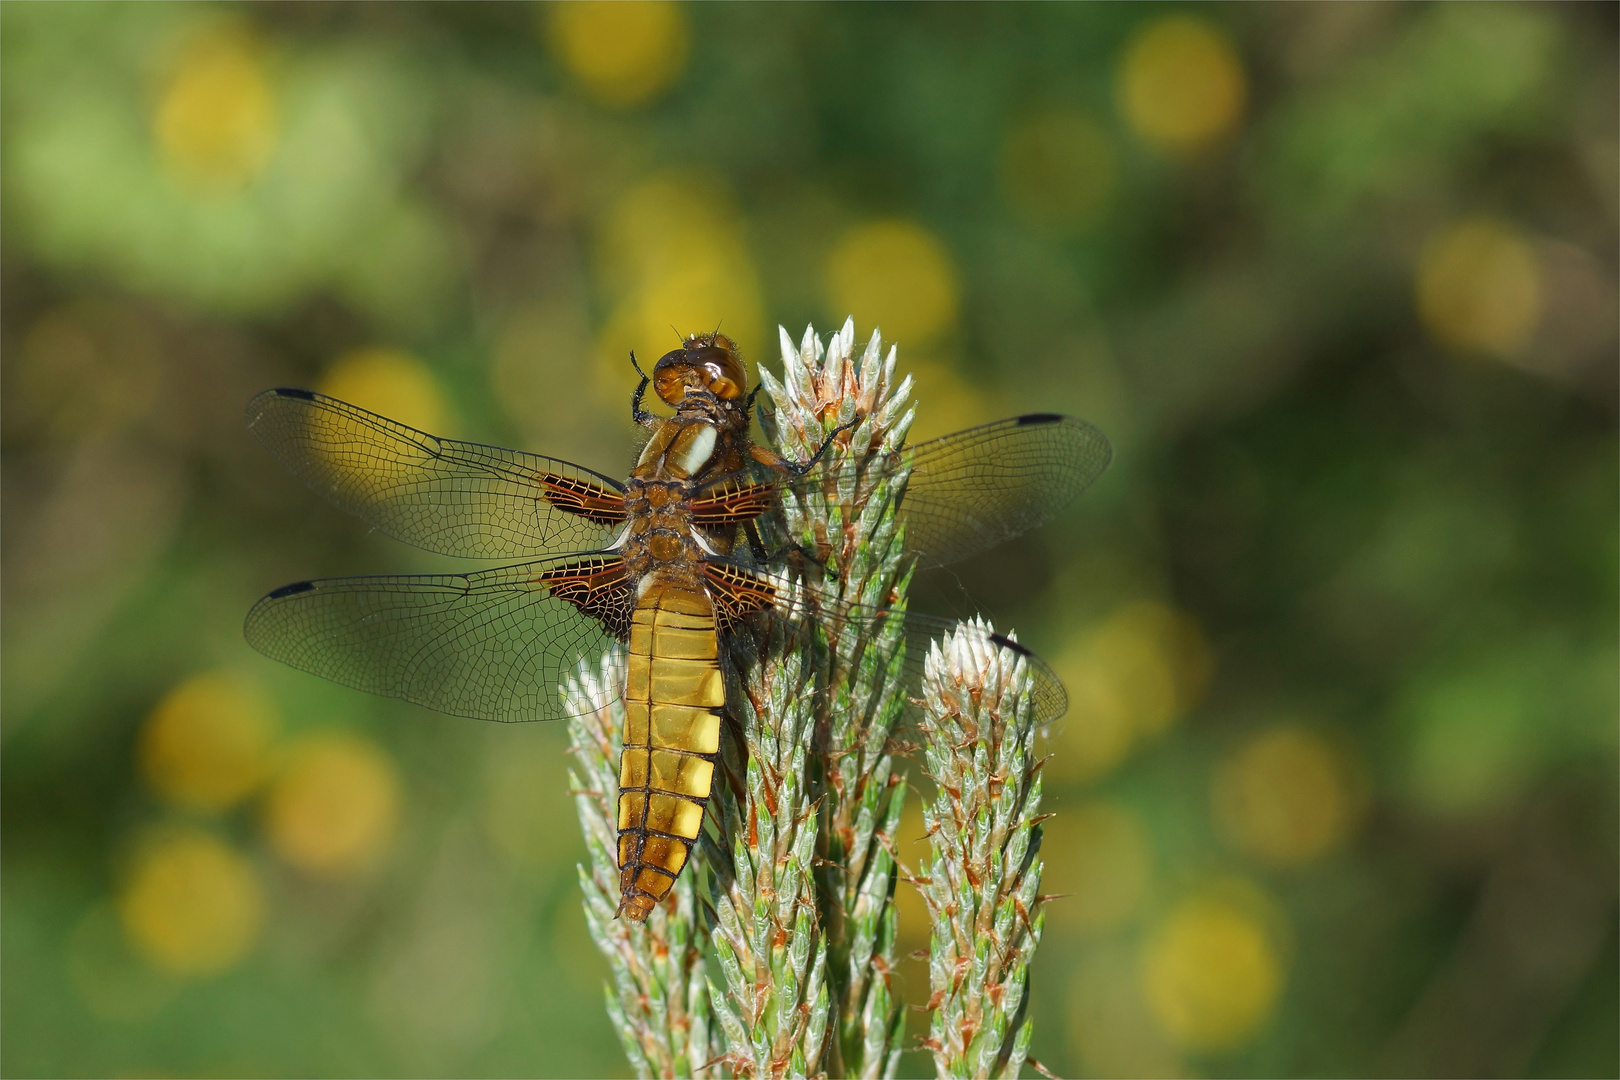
x=674, y=692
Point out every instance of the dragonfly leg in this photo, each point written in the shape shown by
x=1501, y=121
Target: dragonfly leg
x=795, y=468
x=637, y=413
x=756, y=546
x=795, y=554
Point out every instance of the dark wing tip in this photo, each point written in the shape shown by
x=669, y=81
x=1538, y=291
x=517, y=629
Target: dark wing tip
x=291, y=590
x=1047, y=693
x=1029, y=419
x=259, y=402
x=1008, y=643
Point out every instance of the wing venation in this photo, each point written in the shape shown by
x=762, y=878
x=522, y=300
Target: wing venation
x=457, y=498
x=493, y=645
x=966, y=492
x=741, y=592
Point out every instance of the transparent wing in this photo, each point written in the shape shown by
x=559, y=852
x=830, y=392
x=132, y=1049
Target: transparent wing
x=457, y=498
x=966, y=493
x=493, y=645
x=978, y=488
x=1047, y=696
x=741, y=593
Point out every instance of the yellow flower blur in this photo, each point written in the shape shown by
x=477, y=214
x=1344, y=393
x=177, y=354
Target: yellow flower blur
x=1286, y=797
x=1128, y=679
x=910, y=909
x=335, y=807
x=208, y=743
x=625, y=52
x=216, y=122
x=1479, y=287
x=954, y=403
x=1181, y=85
x=1058, y=169
x=389, y=382
x=895, y=276
x=1101, y=862
x=1111, y=1029
x=1211, y=974
x=193, y=906
x=673, y=253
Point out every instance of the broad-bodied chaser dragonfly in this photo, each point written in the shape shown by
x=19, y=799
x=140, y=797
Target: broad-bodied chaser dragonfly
x=647, y=563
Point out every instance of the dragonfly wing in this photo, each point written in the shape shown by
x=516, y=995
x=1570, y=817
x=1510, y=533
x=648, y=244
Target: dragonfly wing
x=965, y=493
x=457, y=498
x=493, y=645
x=1047, y=697
x=741, y=593
x=983, y=486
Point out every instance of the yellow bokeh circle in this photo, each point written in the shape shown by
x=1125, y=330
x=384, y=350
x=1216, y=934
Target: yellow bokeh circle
x=192, y=906
x=1211, y=974
x=897, y=276
x=625, y=52
x=672, y=250
x=1111, y=1030
x=216, y=123
x=390, y=383
x=1058, y=169
x=209, y=742
x=912, y=850
x=952, y=402
x=1288, y=796
x=1100, y=858
x=1144, y=667
x=1479, y=287
x=1181, y=85
x=334, y=808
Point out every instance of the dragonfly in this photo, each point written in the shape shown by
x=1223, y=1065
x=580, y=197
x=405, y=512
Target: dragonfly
x=664, y=565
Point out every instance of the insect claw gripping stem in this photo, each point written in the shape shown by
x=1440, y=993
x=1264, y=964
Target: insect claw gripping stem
x=815, y=459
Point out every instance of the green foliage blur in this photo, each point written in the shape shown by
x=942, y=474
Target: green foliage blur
x=1337, y=790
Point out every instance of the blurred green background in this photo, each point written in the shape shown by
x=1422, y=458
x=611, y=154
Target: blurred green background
x=1337, y=792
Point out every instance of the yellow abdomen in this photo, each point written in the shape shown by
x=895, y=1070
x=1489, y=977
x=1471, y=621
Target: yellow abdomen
x=674, y=693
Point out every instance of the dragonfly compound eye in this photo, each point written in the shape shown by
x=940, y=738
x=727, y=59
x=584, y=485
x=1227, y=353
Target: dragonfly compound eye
x=708, y=362
x=674, y=375
x=722, y=365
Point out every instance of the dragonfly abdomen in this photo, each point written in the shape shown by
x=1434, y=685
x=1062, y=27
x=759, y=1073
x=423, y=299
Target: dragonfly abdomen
x=674, y=694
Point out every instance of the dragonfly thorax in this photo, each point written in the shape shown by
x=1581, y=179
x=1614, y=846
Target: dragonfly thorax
x=678, y=450
x=660, y=534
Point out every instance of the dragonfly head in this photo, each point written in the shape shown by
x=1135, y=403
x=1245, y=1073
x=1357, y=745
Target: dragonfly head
x=705, y=362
